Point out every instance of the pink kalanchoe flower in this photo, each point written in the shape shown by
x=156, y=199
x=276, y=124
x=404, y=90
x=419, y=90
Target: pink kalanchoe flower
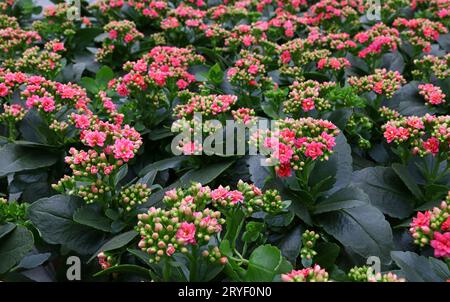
x=285, y=57
x=128, y=38
x=95, y=138
x=445, y=226
x=82, y=121
x=314, y=150
x=48, y=104
x=422, y=220
x=308, y=104
x=4, y=90
x=283, y=153
x=219, y=193
x=59, y=46
x=441, y=244
x=122, y=90
x=170, y=250
x=431, y=145
x=390, y=133
x=186, y=233
x=112, y=34
x=123, y=149
x=284, y=170
x=235, y=196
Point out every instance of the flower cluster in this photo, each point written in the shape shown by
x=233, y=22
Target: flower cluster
x=432, y=65
x=309, y=274
x=292, y=6
x=248, y=197
x=153, y=9
x=134, y=195
x=122, y=35
x=163, y=66
x=297, y=53
x=297, y=142
x=208, y=106
x=328, y=13
x=306, y=96
x=14, y=40
x=45, y=62
x=13, y=212
x=433, y=95
x=110, y=145
x=106, y=260
x=56, y=25
x=246, y=116
x=432, y=228
x=333, y=41
x=378, y=40
x=249, y=72
x=420, y=32
x=382, y=82
x=8, y=22
x=366, y=274
x=422, y=135
x=186, y=222
x=309, y=239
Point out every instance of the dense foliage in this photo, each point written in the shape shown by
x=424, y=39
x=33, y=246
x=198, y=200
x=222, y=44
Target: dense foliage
x=352, y=182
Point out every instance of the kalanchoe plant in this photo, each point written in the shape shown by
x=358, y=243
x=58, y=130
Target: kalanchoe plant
x=193, y=223
x=432, y=228
x=115, y=142
x=119, y=42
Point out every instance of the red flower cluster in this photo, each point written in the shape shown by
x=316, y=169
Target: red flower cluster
x=432, y=94
x=378, y=40
x=162, y=66
x=121, y=34
x=420, y=32
x=422, y=135
x=433, y=228
x=309, y=274
x=297, y=142
x=382, y=82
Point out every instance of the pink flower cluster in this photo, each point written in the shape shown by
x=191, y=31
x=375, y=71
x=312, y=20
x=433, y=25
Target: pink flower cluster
x=110, y=143
x=329, y=12
x=433, y=95
x=309, y=274
x=382, y=82
x=306, y=96
x=432, y=228
x=209, y=105
x=420, y=32
x=432, y=65
x=120, y=34
x=422, y=135
x=377, y=40
x=187, y=221
x=162, y=66
x=297, y=142
x=248, y=72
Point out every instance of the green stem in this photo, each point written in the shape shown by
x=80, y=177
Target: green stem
x=193, y=264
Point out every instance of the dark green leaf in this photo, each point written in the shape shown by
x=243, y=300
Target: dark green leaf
x=417, y=268
x=363, y=229
x=386, y=191
x=263, y=264
x=53, y=217
x=33, y=261
x=90, y=215
x=14, y=246
x=14, y=158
